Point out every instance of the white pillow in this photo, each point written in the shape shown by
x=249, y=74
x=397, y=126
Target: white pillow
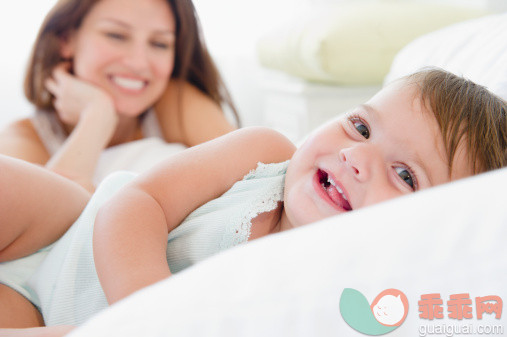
x=446, y=240
x=476, y=49
x=353, y=43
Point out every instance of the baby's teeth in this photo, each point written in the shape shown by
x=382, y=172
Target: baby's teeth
x=337, y=187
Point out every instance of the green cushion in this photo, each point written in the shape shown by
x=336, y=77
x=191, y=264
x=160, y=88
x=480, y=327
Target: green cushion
x=353, y=44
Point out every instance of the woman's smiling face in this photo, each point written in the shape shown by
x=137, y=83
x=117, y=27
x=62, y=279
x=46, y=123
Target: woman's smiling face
x=388, y=147
x=125, y=47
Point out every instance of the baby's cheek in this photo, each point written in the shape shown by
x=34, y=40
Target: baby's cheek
x=297, y=210
x=381, y=195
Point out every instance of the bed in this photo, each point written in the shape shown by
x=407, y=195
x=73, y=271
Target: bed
x=443, y=248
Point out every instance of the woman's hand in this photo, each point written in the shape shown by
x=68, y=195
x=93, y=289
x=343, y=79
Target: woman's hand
x=93, y=118
x=74, y=97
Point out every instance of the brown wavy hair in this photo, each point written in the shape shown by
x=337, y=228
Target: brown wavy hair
x=192, y=64
x=466, y=111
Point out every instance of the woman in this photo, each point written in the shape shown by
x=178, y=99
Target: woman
x=109, y=72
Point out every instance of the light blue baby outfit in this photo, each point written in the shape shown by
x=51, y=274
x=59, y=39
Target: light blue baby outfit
x=61, y=279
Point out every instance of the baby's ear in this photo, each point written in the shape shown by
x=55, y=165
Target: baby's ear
x=67, y=45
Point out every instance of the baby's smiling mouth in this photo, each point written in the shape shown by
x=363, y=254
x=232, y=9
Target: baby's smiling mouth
x=334, y=192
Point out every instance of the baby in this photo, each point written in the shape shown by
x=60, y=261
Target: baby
x=423, y=130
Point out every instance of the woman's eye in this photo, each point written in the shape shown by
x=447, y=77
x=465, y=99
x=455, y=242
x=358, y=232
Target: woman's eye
x=406, y=176
x=362, y=128
x=160, y=45
x=116, y=36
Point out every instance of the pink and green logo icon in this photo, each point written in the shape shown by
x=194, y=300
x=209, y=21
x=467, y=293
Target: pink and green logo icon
x=387, y=311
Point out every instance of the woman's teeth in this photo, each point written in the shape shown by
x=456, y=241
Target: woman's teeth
x=128, y=83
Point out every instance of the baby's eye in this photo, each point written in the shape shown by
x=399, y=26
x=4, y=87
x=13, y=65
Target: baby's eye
x=406, y=176
x=361, y=128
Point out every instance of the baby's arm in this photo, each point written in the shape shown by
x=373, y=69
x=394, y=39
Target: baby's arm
x=130, y=234
x=36, y=207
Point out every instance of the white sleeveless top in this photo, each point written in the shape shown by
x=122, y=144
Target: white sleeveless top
x=66, y=287
x=136, y=156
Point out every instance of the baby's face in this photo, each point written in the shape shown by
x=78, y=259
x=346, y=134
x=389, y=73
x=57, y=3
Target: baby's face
x=383, y=149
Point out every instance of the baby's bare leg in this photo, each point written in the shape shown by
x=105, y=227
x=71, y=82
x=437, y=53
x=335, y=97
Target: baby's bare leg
x=50, y=331
x=19, y=317
x=37, y=207
x=16, y=311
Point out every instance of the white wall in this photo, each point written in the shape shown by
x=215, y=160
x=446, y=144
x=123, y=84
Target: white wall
x=19, y=22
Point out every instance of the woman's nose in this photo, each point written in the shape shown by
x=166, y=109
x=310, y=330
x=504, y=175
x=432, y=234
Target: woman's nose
x=137, y=57
x=361, y=160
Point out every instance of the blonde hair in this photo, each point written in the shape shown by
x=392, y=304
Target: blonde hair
x=465, y=111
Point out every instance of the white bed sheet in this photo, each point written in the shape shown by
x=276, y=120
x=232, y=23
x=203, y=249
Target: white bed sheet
x=446, y=240
x=137, y=156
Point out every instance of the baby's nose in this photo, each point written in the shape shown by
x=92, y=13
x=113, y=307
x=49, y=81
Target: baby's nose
x=360, y=160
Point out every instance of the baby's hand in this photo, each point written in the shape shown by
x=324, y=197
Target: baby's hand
x=74, y=97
